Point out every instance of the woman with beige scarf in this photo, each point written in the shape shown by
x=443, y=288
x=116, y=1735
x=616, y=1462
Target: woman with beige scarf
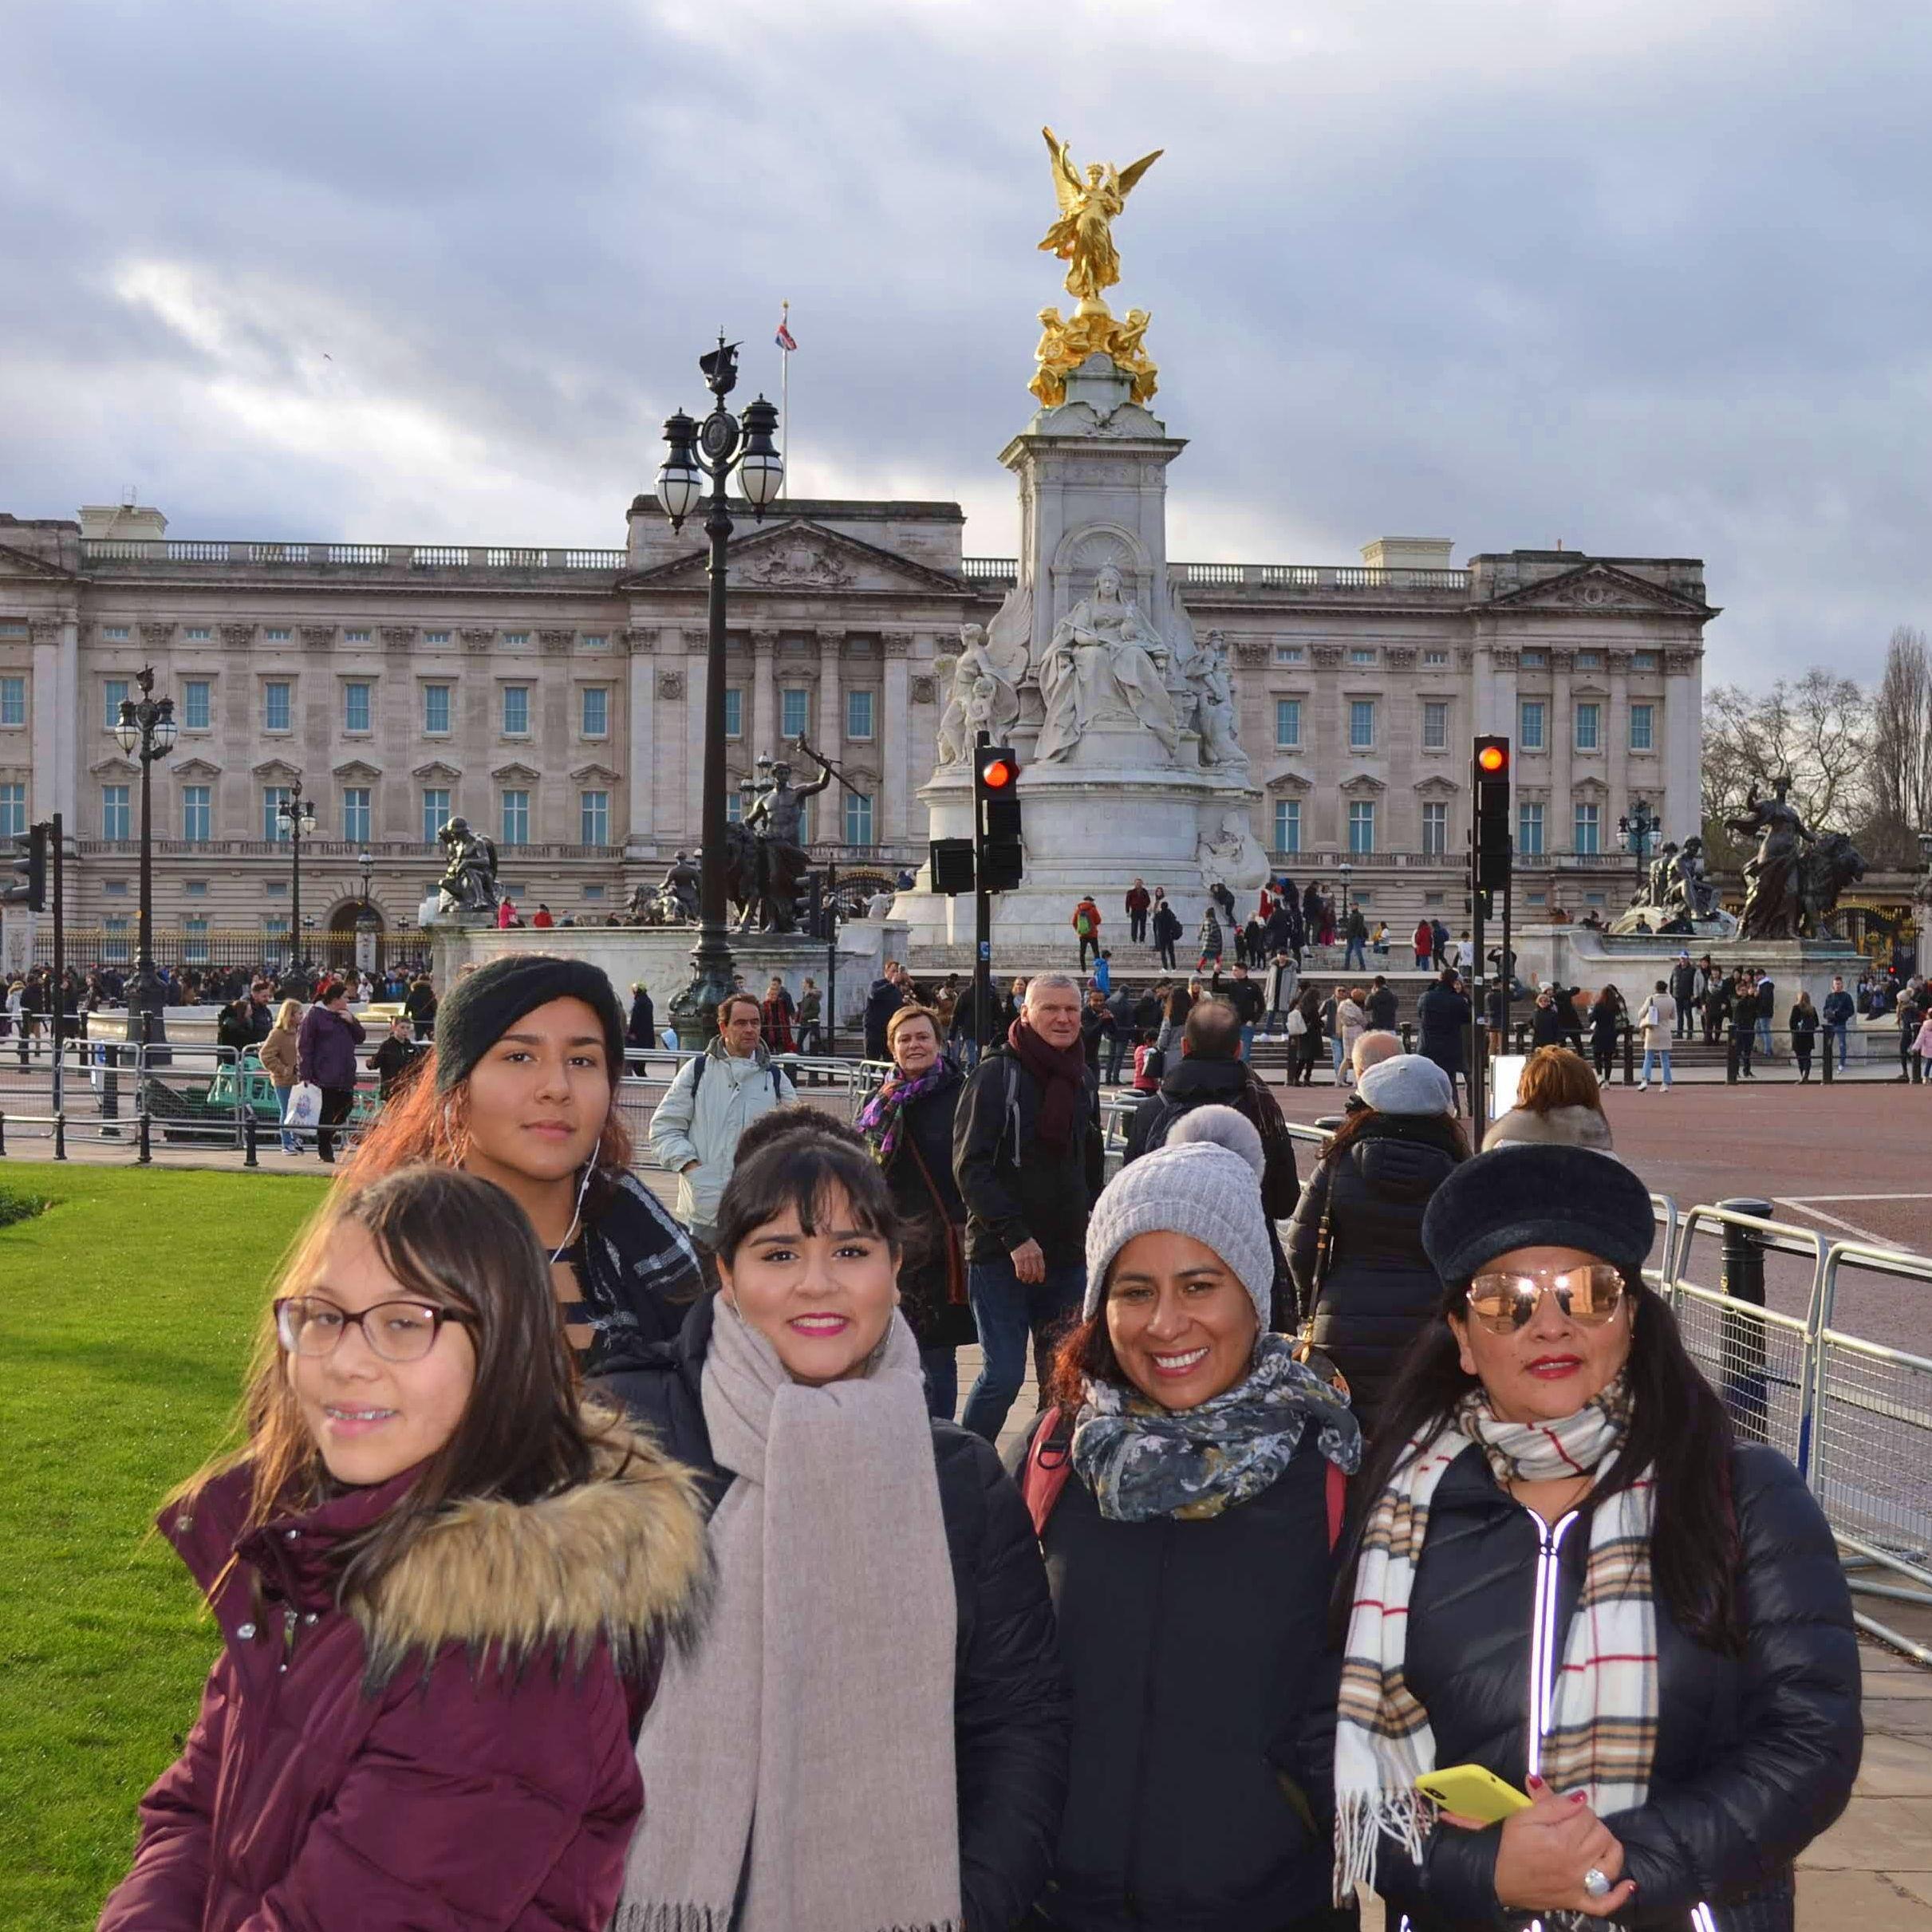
x=873, y=1733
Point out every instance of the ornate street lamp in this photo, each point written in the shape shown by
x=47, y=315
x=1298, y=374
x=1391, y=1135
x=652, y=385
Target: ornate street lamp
x=714, y=449
x=296, y=816
x=1636, y=831
x=146, y=730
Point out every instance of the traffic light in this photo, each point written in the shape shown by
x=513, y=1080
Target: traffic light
x=995, y=785
x=1490, y=872
x=29, y=886
x=951, y=860
x=808, y=906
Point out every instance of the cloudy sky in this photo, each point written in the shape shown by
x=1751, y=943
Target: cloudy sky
x=1645, y=277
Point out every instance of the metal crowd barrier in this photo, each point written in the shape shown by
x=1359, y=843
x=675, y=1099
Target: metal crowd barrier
x=1853, y=1414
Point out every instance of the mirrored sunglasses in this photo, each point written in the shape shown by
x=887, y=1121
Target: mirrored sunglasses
x=1505, y=1302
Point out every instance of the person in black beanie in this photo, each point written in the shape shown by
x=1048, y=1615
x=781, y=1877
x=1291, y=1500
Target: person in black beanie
x=1560, y=1516
x=521, y=1088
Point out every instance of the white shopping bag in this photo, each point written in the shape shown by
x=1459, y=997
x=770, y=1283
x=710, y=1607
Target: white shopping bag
x=304, y=1105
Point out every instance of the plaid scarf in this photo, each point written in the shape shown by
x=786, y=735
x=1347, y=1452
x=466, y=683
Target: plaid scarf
x=1598, y=1728
x=880, y=1119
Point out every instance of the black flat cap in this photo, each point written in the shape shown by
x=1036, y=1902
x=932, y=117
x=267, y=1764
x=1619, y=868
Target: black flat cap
x=1534, y=1195
x=483, y=1006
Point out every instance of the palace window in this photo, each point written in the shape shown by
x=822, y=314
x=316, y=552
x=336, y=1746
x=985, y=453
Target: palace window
x=1435, y=830
x=516, y=817
x=273, y=798
x=1287, y=723
x=1529, y=830
x=197, y=813
x=13, y=810
x=1288, y=653
x=13, y=700
x=436, y=710
x=355, y=707
x=734, y=711
x=1643, y=661
x=1361, y=825
x=1361, y=656
x=1287, y=825
x=117, y=820
x=593, y=816
x=859, y=812
x=858, y=724
x=1529, y=724
x=793, y=713
x=278, y=706
x=596, y=712
x=1589, y=727
x=114, y=693
x=197, y=704
x=1361, y=724
x=355, y=637
x=1435, y=727
x=516, y=711
x=1434, y=660
x=1643, y=730
x=436, y=811
x=356, y=814
x=1586, y=828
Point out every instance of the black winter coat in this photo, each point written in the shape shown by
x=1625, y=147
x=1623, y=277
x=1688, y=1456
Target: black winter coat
x=936, y=1321
x=1378, y=1292
x=1756, y=1754
x=1009, y=1699
x=1382, y=1009
x=1444, y=1014
x=1203, y=1691
x=1016, y=1190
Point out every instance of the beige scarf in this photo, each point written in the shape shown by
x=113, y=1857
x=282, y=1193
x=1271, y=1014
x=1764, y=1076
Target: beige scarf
x=798, y=1771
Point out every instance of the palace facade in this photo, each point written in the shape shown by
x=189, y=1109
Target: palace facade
x=555, y=697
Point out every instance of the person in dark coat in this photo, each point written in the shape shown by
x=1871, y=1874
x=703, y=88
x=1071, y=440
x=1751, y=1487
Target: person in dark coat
x=391, y=1061
x=1187, y=1515
x=1210, y=1072
x=910, y=1122
x=1209, y=946
x=1028, y=1156
x=641, y=1030
x=325, y=1057
x=1355, y=1244
x=1382, y=1008
x=1444, y=1013
x=1608, y=1015
x=419, y=1004
x=402, y=1673
x=924, y=1511
x=886, y=995
x=522, y=1087
x=1167, y=931
x=1552, y=1445
x=1546, y=1027
x=1305, y=1047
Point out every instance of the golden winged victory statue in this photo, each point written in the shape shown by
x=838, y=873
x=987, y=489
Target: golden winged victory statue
x=1083, y=238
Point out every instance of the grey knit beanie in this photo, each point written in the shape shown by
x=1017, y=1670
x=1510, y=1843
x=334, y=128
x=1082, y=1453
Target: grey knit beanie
x=1204, y=1180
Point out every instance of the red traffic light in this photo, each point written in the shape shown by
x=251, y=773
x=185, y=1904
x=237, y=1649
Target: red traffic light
x=1492, y=758
x=999, y=774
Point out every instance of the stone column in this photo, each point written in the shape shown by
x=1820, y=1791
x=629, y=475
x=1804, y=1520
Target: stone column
x=1680, y=735
x=761, y=728
x=57, y=722
x=640, y=747
x=1619, y=772
x=894, y=760
x=829, y=732
x=1561, y=836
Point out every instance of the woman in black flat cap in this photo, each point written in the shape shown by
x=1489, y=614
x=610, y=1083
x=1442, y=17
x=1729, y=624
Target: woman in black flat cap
x=521, y=1088
x=1571, y=1573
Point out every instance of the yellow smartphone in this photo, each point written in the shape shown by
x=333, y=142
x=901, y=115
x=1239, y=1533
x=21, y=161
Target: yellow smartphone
x=1470, y=1792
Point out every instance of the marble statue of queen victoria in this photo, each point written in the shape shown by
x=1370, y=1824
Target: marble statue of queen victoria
x=1100, y=663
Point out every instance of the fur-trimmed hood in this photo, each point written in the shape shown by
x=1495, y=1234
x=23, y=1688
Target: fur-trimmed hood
x=621, y=1558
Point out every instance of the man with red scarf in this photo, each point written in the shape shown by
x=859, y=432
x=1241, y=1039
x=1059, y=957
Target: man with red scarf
x=1028, y=1156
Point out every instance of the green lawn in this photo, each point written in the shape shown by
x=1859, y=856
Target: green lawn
x=125, y=1313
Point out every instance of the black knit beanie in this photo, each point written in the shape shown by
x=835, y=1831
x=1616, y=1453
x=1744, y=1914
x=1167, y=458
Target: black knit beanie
x=1535, y=1195
x=483, y=1006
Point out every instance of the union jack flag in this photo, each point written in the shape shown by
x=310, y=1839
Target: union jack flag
x=783, y=338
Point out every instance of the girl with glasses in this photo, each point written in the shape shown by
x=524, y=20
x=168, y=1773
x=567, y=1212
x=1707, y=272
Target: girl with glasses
x=1571, y=1573
x=444, y=1587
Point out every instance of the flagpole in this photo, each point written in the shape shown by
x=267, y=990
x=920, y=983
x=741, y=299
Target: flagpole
x=785, y=405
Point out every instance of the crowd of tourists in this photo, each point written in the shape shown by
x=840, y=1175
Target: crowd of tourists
x=586, y=1562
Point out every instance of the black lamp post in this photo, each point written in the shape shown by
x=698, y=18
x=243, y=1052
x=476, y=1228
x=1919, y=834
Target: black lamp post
x=296, y=815
x=714, y=449
x=1636, y=831
x=146, y=731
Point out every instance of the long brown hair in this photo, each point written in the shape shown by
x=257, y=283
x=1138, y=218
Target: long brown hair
x=1554, y=1077
x=421, y=1124
x=1363, y=1121
x=457, y=1243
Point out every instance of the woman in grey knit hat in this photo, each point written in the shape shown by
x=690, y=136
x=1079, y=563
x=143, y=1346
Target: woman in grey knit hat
x=1187, y=1483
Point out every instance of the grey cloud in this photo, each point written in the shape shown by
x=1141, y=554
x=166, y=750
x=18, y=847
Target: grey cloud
x=1643, y=278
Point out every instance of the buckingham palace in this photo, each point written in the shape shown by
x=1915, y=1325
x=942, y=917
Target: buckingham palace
x=556, y=697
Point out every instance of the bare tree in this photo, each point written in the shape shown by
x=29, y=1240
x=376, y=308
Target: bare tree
x=1816, y=732
x=1902, y=736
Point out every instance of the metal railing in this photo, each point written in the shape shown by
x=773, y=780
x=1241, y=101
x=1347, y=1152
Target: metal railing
x=406, y=556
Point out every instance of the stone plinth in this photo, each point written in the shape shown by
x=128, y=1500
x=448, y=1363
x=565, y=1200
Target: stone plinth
x=660, y=957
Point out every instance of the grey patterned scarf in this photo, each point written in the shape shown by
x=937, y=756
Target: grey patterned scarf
x=1141, y=1460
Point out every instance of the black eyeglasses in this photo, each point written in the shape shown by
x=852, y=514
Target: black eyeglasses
x=395, y=1330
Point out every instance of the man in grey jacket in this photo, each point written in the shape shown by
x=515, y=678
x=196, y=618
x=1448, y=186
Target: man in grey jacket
x=696, y=1130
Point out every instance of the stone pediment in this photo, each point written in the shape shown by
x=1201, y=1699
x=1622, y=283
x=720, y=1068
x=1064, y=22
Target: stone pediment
x=355, y=772
x=118, y=767
x=602, y=773
x=802, y=555
x=437, y=773
x=1364, y=784
x=23, y=563
x=515, y=773
x=1288, y=780
x=274, y=769
x=1599, y=590
x=200, y=768
x=1436, y=786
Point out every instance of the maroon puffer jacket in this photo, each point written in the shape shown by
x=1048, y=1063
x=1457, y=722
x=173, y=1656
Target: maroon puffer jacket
x=456, y=1751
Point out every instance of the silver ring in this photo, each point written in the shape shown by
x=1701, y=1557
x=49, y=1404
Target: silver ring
x=1595, y=1884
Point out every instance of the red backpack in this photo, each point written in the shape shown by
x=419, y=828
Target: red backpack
x=1049, y=1462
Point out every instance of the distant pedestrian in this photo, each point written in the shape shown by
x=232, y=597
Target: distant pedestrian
x=281, y=1061
x=811, y=1010
x=326, y=1051
x=1167, y=930
x=1804, y=1034
x=1425, y=943
x=1355, y=933
x=1103, y=973
x=777, y=1008
x=641, y=1030
x=1837, y=1017
x=1209, y=948
x=1086, y=927
x=1608, y=1015
x=886, y=996
x=1657, y=1021
x=542, y=921
x=391, y=1060
x=1443, y=1013
x=1139, y=902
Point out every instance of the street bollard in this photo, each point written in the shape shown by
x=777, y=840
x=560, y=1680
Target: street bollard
x=3, y=1137
x=248, y=1139
x=1824, y=1039
x=1408, y=1034
x=144, y=1148
x=1741, y=1347
x=1630, y=1055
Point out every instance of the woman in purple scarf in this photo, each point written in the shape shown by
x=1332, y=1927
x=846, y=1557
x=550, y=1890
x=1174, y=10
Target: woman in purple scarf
x=909, y=1122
